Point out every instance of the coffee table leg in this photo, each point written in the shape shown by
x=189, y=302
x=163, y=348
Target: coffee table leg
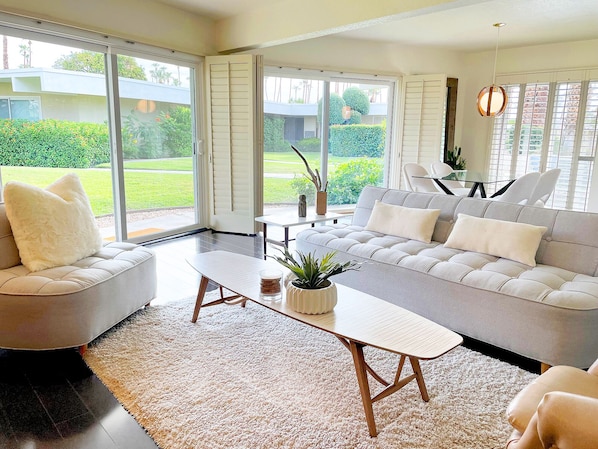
x=203, y=286
x=364, y=387
x=419, y=377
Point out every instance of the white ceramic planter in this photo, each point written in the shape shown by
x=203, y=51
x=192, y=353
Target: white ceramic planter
x=311, y=301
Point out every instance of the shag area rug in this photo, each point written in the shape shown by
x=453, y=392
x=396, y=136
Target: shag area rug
x=249, y=378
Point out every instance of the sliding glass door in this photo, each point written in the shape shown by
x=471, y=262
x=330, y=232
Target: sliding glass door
x=157, y=147
x=54, y=119
x=350, y=151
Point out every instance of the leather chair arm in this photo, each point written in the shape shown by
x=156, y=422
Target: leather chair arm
x=594, y=368
x=562, y=421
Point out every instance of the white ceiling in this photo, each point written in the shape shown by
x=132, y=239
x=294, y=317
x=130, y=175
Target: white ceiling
x=464, y=28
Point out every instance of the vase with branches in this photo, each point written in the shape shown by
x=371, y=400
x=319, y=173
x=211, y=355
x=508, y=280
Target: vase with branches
x=316, y=179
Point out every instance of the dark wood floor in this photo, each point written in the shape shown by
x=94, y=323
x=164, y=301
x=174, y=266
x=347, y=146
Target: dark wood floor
x=52, y=400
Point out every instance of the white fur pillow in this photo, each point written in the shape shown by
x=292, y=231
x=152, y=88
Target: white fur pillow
x=53, y=226
x=508, y=239
x=408, y=222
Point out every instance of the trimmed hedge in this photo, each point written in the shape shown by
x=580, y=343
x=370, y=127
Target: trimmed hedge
x=53, y=143
x=357, y=140
x=274, y=134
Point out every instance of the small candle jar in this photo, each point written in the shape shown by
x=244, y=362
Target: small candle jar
x=270, y=281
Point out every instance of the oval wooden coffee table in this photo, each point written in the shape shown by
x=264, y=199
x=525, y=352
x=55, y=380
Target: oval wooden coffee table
x=358, y=320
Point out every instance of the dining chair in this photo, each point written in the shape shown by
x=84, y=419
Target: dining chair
x=544, y=188
x=418, y=184
x=443, y=169
x=520, y=191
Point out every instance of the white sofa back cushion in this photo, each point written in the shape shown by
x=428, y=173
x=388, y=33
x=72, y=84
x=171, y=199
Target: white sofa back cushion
x=514, y=241
x=408, y=222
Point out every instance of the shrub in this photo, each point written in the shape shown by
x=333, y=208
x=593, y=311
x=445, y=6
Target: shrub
x=349, y=179
x=274, y=134
x=336, y=110
x=53, y=143
x=175, y=127
x=346, y=183
x=357, y=140
x=310, y=145
x=141, y=139
x=357, y=99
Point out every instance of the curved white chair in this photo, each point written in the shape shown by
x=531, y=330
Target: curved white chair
x=443, y=169
x=544, y=188
x=418, y=184
x=520, y=191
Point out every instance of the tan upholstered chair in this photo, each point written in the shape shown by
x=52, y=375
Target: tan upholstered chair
x=557, y=410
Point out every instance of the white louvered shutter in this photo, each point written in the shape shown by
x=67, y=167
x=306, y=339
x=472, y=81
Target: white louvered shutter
x=234, y=141
x=421, y=122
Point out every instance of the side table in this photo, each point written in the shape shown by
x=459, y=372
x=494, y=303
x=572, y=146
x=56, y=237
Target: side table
x=288, y=219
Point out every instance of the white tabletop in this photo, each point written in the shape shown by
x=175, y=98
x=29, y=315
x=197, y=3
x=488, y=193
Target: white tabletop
x=287, y=219
x=357, y=316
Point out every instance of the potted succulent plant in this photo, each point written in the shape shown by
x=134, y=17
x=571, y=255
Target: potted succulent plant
x=308, y=287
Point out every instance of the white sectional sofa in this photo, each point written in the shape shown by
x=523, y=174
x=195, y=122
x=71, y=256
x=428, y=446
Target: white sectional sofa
x=547, y=312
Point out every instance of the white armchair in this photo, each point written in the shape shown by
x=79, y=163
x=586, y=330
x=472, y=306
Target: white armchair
x=416, y=184
x=520, y=191
x=544, y=188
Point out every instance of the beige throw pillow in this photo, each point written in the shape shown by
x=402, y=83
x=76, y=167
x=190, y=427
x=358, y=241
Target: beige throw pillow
x=53, y=226
x=407, y=222
x=515, y=241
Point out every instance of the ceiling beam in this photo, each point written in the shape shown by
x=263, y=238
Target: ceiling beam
x=291, y=20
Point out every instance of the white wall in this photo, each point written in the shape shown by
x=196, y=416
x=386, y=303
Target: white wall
x=137, y=20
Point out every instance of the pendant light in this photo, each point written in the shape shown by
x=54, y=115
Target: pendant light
x=492, y=100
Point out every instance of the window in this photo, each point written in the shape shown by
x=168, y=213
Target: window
x=26, y=108
x=349, y=153
x=549, y=124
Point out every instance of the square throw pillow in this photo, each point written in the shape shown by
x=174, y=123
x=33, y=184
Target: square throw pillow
x=53, y=226
x=515, y=241
x=407, y=222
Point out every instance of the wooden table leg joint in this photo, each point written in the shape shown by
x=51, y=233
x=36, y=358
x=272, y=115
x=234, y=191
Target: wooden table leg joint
x=362, y=369
x=230, y=300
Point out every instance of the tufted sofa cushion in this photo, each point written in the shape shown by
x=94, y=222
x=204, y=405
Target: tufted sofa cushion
x=543, y=283
x=112, y=259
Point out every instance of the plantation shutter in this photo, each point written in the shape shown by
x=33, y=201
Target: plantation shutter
x=235, y=141
x=423, y=99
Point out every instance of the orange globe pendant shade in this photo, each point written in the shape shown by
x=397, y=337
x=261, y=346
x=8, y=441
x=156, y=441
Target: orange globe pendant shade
x=492, y=101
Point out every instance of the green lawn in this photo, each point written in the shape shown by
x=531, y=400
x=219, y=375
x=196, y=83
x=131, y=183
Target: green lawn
x=147, y=190
x=143, y=190
x=284, y=163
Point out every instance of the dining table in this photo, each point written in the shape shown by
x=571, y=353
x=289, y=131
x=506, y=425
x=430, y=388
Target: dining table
x=477, y=180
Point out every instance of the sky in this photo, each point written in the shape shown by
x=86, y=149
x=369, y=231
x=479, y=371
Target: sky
x=44, y=55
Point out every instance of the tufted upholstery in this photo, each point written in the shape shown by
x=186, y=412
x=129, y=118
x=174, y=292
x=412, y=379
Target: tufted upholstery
x=69, y=306
x=544, y=283
x=111, y=260
x=548, y=312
